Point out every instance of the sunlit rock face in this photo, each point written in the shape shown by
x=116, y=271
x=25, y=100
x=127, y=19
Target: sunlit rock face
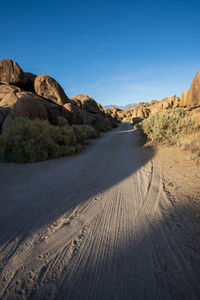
x=24, y=94
x=47, y=87
x=193, y=96
x=11, y=73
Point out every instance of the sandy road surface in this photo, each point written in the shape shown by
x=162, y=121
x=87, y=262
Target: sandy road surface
x=99, y=225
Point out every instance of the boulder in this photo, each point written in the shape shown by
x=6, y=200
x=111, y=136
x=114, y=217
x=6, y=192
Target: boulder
x=8, y=95
x=29, y=107
x=47, y=87
x=100, y=116
x=140, y=113
x=86, y=103
x=107, y=111
x=154, y=102
x=87, y=118
x=55, y=111
x=100, y=107
x=11, y=73
x=193, y=96
x=176, y=102
x=115, y=111
x=184, y=96
x=75, y=111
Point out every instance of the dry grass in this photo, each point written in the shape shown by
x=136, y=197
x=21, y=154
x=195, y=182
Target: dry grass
x=191, y=143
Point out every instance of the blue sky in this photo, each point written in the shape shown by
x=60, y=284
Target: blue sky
x=117, y=52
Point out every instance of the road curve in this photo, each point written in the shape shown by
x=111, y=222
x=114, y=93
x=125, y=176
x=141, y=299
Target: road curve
x=98, y=225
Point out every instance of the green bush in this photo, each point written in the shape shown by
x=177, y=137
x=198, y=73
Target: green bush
x=91, y=132
x=167, y=127
x=103, y=127
x=115, y=124
x=80, y=133
x=35, y=140
x=170, y=106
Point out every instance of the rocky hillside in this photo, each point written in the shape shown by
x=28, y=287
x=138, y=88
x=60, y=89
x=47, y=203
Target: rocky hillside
x=33, y=96
x=190, y=101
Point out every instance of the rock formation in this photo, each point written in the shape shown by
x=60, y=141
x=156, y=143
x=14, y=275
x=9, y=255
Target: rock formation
x=49, y=88
x=24, y=94
x=11, y=73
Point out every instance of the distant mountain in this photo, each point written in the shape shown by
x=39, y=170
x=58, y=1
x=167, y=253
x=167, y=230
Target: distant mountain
x=127, y=106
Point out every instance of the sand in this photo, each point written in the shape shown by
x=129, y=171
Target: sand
x=118, y=221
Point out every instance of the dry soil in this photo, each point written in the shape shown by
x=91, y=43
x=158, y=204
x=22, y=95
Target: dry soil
x=118, y=221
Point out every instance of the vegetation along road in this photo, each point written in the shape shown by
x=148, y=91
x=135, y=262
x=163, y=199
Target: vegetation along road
x=98, y=225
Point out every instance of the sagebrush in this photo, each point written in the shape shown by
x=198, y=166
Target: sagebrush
x=173, y=128
x=167, y=127
x=35, y=140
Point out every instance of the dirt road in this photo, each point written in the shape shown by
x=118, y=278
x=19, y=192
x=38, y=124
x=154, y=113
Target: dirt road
x=99, y=225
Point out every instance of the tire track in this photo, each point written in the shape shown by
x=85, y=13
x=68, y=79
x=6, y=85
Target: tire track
x=107, y=230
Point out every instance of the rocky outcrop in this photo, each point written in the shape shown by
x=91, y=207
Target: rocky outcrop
x=11, y=73
x=184, y=97
x=193, y=96
x=30, y=107
x=115, y=111
x=86, y=103
x=29, y=79
x=190, y=99
x=47, y=87
x=8, y=95
x=24, y=94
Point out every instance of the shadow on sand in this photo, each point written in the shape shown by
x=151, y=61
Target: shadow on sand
x=157, y=262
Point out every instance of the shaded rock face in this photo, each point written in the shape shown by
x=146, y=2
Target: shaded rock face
x=4, y=111
x=30, y=107
x=85, y=102
x=75, y=111
x=29, y=79
x=56, y=111
x=11, y=73
x=47, y=87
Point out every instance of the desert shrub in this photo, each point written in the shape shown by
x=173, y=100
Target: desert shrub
x=115, y=124
x=103, y=127
x=90, y=131
x=170, y=106
x=35, y=140
x=80, y=133
x=167, y=127
x=191, y=142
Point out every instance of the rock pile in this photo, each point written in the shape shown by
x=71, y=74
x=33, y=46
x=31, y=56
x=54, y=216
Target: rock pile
x=190, y=101
x=24, y=94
